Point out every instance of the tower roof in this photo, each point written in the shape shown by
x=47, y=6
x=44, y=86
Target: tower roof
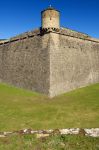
x=50, y=8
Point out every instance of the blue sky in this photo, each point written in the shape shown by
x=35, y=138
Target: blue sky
x=18, y=16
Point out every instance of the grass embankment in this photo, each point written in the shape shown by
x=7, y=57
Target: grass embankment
x=29, y=142
x=21, y=109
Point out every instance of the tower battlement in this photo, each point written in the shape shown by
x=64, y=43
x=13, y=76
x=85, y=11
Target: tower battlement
x=50, y=18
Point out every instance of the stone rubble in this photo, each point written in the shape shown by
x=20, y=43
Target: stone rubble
x=94, y=132
x=69, y=131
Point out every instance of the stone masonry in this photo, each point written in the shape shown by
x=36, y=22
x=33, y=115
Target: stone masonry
x=51, y=59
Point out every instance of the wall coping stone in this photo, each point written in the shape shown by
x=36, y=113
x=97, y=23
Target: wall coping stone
x=42, y=31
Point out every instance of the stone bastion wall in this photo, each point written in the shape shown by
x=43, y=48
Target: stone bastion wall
x=50, y=61
x=74, y=61
x=23, y=61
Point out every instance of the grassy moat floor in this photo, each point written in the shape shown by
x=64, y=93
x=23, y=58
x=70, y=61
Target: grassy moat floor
x=20, y=109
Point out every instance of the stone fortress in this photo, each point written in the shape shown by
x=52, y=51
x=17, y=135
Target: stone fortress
x=51, y=59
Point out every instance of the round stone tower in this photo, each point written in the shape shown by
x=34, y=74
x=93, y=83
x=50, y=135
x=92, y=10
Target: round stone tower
x=50, y=18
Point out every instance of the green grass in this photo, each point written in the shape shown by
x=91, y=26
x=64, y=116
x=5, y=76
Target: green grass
x=58, y=142
x=21, y=109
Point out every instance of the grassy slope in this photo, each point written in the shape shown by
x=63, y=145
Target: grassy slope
x=23, y=109
x=29, y=142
